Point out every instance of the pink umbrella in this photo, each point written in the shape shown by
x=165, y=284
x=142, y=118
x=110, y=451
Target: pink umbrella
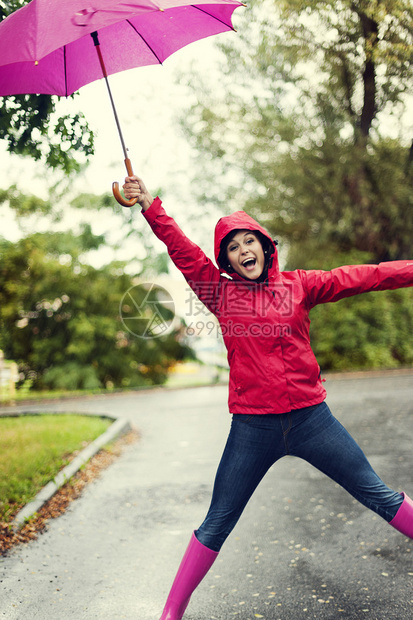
x=49, y=46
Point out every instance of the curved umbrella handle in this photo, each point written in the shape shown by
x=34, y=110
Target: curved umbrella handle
x=121, y=200
x=116, y=191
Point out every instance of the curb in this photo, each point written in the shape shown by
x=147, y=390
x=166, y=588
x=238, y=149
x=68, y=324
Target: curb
x=119, y=427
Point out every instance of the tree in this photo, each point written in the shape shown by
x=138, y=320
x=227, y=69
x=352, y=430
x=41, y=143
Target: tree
x=24, y=205
x=31, y=127
x=296, y=130
x=60, y=317
x=151, y=263
x=297, y=133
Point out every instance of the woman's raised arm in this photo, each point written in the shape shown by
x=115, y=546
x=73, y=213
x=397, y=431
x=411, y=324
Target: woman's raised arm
x=198, y=270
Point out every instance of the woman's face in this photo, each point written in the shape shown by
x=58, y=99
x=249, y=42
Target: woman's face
x=245, y=254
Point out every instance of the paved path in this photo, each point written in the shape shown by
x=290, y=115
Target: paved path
x=303, y=548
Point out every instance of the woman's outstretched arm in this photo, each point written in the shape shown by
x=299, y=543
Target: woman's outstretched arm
x=328, y=286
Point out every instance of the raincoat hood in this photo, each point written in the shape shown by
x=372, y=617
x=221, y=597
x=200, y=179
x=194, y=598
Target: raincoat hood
x=241, y=221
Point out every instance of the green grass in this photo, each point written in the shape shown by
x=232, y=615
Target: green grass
x=33, y=449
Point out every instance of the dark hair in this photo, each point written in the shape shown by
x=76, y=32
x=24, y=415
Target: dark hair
x=266, y=243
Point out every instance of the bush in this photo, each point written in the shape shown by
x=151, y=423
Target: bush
x=373, y=330
x=71, y=376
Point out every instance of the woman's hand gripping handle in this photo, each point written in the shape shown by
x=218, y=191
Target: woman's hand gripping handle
x=134, y=189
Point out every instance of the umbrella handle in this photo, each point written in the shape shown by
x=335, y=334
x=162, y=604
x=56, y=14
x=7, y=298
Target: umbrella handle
x=116, y=191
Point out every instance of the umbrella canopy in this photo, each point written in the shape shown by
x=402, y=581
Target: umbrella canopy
x=53, y=47
x=46, y=47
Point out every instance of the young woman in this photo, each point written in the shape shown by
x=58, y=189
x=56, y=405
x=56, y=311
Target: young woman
x=276, y=396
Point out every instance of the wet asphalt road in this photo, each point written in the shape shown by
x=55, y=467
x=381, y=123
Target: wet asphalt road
x=302, y=549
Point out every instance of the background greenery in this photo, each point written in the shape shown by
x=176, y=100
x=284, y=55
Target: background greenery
x=60, y=318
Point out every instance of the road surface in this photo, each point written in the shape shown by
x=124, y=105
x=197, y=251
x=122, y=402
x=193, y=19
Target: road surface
x=302, y=549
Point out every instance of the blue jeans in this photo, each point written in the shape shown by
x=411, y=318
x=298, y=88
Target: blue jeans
x=256, y=442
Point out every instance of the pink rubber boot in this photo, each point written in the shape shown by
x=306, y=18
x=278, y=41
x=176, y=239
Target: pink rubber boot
x=195, y=564
x=403, y=521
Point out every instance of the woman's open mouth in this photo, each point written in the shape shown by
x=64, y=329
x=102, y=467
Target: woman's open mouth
x=249, y=264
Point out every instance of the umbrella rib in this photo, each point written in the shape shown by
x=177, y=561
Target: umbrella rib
x=194, y=6
x=146, y=43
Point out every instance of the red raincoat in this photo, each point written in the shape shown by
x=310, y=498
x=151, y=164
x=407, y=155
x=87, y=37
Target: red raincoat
x=265, y=326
